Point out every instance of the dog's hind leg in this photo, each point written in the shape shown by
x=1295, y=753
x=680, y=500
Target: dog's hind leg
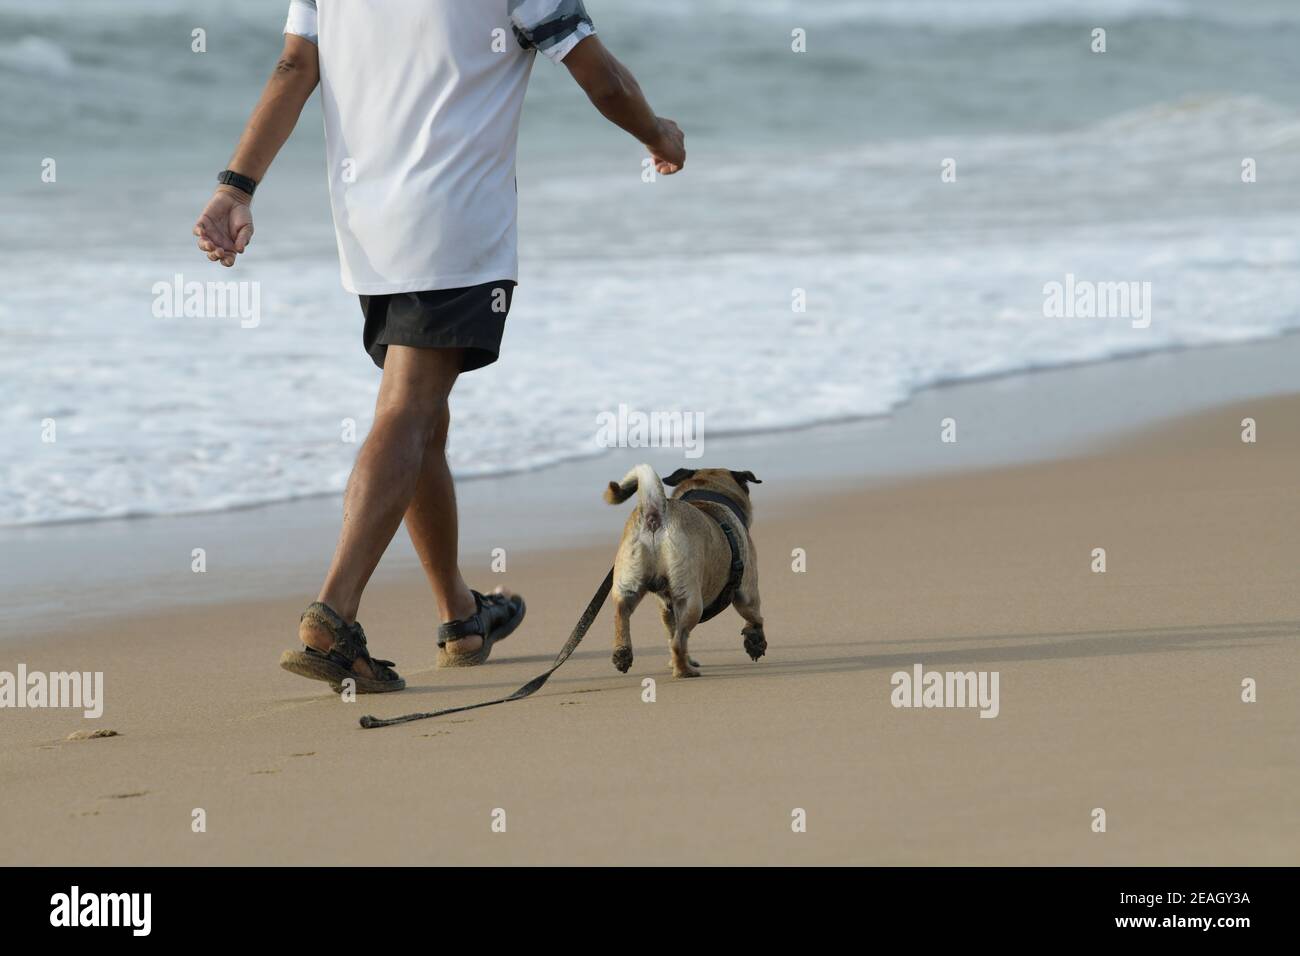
x=666, y=615
x=748, y=608
x=686, y=614
x=624, y=605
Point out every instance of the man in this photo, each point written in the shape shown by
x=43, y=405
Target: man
x=421, y=100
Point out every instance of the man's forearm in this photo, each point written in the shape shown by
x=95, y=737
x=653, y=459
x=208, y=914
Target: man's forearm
x=277, y=112
x=621, y=101
x=614, y=92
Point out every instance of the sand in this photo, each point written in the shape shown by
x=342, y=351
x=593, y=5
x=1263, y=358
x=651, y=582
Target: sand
x=1118, y=690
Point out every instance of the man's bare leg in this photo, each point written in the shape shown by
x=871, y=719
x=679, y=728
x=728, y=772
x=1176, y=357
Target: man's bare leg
x=410, y=411
x=432, y=524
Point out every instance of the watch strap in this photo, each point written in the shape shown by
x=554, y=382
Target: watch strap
x=229, y=177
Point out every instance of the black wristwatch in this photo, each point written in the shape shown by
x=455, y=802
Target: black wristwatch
x=229, y=177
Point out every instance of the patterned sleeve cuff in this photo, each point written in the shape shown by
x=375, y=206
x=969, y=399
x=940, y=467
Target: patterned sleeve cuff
x=552, y=26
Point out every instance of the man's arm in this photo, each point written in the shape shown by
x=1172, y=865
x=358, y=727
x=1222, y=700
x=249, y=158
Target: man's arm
x=614, y=91
x=226, y=225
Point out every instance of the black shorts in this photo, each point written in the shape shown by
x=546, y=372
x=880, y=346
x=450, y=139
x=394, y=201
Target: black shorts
x=472, y=319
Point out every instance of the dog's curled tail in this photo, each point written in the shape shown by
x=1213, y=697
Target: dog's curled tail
x=650, y=494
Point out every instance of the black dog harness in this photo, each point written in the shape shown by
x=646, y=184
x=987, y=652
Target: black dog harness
x=737, y=565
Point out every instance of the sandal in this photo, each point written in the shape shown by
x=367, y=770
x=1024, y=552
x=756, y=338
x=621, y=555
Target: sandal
x=496, y=619
x=335, y=665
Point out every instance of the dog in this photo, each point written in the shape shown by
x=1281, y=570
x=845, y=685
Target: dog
x=692, y=551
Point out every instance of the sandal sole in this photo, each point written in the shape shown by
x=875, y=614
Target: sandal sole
x=480, y=656
x=313, y=668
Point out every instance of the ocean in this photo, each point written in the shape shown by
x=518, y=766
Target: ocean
x=810, y=265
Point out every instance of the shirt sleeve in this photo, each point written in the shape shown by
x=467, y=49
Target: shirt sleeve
x=552, y=26
x=302, y=19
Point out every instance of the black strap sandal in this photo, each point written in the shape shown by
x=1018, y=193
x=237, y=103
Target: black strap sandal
x=335, y=665
x=496, y=619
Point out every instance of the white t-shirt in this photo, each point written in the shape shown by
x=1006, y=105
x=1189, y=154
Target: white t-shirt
x=422, y=101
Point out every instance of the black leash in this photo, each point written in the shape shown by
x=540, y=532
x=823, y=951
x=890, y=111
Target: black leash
x=579, y=632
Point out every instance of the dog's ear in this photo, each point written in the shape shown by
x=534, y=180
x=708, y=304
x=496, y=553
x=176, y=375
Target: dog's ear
x=678, y=476
x=745, y=476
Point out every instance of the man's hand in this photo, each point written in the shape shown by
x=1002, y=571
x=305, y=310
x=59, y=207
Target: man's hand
x=225, y=226
x=669, y=149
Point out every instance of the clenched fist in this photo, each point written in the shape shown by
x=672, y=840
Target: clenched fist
x=225, y=226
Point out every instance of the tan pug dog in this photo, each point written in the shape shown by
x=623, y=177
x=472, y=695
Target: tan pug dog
x=678, y=551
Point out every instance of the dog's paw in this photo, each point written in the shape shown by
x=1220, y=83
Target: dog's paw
x=755, y=642
x=623, y=659
x=683, y=666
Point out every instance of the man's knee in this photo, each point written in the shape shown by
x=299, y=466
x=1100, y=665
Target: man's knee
x=426, y=417
x=415, y=389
